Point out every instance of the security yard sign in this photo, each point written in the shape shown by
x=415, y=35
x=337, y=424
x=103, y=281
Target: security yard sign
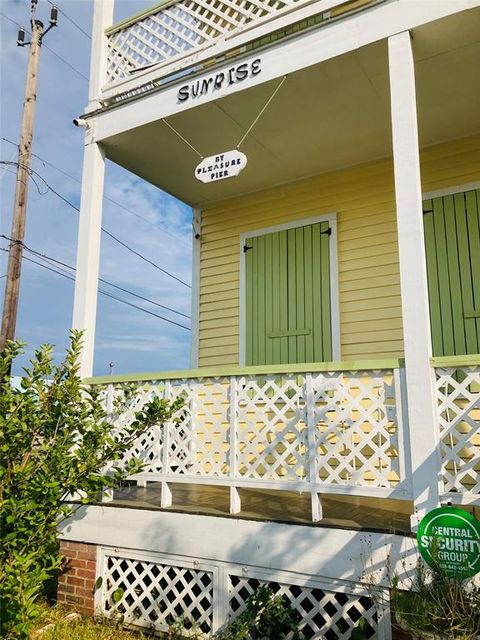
x=449, y=539
x=223, y=165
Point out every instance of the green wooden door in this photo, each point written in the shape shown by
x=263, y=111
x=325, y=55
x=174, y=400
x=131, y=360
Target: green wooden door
x=288, y=310
x=452, y=242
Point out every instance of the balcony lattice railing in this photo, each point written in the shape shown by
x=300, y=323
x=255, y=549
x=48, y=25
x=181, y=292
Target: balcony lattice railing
x=458, y=406
x=318, y=431
x=177, y=28
x=174, y=30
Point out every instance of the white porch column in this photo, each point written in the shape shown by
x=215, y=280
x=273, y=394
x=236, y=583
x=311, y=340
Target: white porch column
x=413, y=276
x=88, y=246
x=102, y=19
x=88, y=252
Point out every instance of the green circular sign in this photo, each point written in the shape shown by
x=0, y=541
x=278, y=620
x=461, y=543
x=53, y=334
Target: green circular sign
x=449, y=539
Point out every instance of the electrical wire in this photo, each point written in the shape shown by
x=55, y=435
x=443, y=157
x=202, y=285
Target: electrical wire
x=105, y=231
x=115, y=202
x=70, y=19
x=105, y=293
x=111, y=284
x=57, y=55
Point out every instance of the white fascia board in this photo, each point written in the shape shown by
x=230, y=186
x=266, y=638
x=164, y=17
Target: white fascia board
x=338, y=554
x=284, y=58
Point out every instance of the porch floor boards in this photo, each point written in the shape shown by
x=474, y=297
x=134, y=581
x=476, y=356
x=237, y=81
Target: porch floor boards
x=346, y=512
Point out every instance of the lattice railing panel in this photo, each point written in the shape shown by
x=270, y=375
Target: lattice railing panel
x=272, y=435
x=182, y=27
x=149, y=446
x=324, y=614
x=356, y=428
x=338, y=428
x=153, y=594
x=199, y=445
x=458, y=406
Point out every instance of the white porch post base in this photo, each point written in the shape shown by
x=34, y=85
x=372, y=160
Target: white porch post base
x=413, y=277
x=235, y=500
x=166, y=499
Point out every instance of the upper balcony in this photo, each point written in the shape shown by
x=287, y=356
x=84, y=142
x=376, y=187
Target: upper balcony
x=183, y=36
x=190, y=77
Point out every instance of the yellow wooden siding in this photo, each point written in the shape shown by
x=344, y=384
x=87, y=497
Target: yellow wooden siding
x=368, y=269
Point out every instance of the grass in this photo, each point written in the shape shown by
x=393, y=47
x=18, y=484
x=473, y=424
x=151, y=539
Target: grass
x=80, y=629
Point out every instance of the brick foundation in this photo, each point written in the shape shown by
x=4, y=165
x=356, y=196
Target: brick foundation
x=76, y=583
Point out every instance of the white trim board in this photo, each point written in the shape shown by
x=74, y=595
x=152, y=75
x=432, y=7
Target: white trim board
x=331, y=218
x=195, y=306
x=450, y=191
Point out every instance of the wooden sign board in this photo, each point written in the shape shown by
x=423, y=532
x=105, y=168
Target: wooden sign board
x=220, y=166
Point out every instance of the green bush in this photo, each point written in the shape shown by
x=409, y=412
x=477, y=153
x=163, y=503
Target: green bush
x=266, y=616
x=56, y=440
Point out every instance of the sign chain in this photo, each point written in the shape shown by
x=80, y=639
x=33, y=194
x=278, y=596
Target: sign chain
x=182, y=138
x=277, y=89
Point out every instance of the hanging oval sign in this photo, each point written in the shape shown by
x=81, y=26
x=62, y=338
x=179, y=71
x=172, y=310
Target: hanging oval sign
x=223, y=165
x=449, y=539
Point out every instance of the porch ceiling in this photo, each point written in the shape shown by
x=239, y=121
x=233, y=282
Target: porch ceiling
x=325, y=117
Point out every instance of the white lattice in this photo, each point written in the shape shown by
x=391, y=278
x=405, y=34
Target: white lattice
x=196, y=444
x=182, y=27
x=272, y=436
x=153, y=594
x=149, y=446
x=458, y=405
x=337, y=428
x=199, y=445
x=356, y=428
x=324, y=614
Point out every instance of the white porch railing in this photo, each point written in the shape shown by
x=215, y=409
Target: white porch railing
x=174, y=30
x=314, y=431
x=457, y=382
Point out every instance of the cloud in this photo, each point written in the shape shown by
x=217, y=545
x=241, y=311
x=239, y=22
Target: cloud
x=130, y=338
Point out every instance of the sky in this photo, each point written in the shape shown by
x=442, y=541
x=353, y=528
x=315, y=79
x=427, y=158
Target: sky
x=156, y=225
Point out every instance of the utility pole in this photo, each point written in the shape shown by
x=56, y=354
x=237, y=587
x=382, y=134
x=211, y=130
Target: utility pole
x=14, y=268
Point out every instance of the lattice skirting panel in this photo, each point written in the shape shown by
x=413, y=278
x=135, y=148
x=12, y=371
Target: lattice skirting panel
x=154, y=590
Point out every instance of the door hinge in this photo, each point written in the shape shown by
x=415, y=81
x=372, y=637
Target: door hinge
x=246, y=248
x=327, y=232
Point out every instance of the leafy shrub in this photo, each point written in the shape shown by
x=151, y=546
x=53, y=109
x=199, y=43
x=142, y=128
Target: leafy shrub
x=56, y=440
x=266, y=616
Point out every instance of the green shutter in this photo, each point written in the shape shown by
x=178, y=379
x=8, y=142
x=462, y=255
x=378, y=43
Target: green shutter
x=288, y=311
x=452, y=242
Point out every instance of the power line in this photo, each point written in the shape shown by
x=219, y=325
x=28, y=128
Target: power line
x=111, y=284
x=105, y=231
x=70, y=19
x=115, y=202
x=105, y=293
x=57, y=55
x=123, y=244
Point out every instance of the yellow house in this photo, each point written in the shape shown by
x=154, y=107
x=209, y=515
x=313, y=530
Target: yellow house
x=331, y=152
